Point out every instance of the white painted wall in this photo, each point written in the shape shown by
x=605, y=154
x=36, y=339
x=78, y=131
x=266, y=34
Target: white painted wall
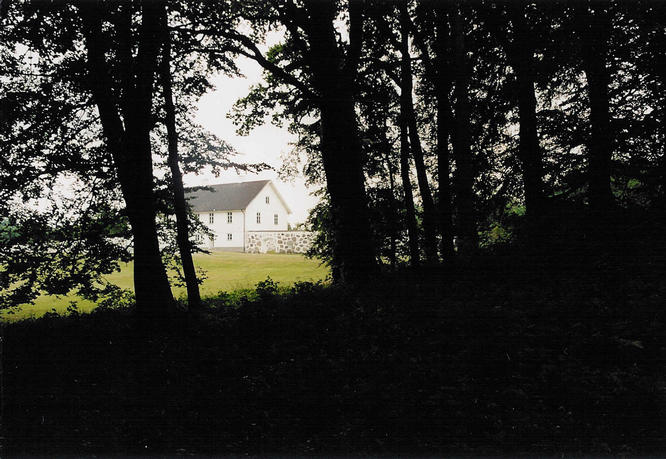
x=222, y=228
x=245, y=221
x=268, y=211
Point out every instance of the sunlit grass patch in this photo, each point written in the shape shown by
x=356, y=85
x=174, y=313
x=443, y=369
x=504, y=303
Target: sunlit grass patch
x=225, y=271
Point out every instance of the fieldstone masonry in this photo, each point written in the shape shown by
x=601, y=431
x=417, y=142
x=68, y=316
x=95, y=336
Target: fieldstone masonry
x=278, y=241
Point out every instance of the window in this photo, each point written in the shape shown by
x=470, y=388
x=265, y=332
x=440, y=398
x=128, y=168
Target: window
x=212, y=240
x=211, y=217
x=268, y=200
x=275, y=219
x=258, y=217
x=230, y=236
x=230, y=217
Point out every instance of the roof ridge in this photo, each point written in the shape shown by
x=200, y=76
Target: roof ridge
x=227, y=183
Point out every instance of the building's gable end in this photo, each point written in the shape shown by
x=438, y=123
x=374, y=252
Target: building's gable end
x=260, y=194
x=268, y=215
x=279, y=195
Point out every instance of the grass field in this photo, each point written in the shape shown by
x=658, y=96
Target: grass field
x=225, y=271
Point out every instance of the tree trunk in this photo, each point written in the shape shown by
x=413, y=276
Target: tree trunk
x=407, y=109
x=442, y=91
x=662, y=198
x=341, y=154
x=333, y=77
x=393, y=260
x=410, y=212
x=464, y=174
x=595, y=28
x=529, y=151
x=180, y=204
x=129, y=143
x=393, y=229
x=658, y=55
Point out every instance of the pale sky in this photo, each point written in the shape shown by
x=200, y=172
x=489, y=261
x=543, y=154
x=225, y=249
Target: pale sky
x=264, y=144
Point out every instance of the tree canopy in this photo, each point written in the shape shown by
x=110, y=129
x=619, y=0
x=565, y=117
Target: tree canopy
x=434, y=129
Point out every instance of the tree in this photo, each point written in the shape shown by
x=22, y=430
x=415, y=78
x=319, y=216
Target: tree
x=53, y=130
x=410, y=214
x=180, y=204
x=323, y=69
x=408, y=117
x=49, y=138
x=443, y=90
x=432, y=20
x=593, y=25
x=464, y=174
x=126, y=128
x=521, y=55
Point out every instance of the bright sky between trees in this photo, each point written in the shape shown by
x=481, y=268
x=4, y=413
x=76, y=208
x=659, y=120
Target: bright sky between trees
x=264, y=144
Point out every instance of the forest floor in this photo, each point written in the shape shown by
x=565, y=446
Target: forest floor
x=228, y=271
x=501, y=355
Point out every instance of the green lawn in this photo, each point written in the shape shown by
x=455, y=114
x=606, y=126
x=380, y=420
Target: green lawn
x=225, y=271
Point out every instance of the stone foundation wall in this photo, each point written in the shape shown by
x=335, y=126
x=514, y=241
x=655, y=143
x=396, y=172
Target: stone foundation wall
x=278, y=241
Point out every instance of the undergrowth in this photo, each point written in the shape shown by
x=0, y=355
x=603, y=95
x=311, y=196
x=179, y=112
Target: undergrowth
x=497, y=355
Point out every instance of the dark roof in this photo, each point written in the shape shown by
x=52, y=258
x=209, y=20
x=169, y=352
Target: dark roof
x=227, y=196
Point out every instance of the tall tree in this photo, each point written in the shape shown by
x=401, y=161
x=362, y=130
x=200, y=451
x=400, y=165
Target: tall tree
x=443, y=91
x=593, y=25
x=409, y=115
x=323, y=69
x=464, y=173
x=180, y=204
x=521, y=56
x=334, y=74
x=410, y=210
x=432, y=20
x=126, y=126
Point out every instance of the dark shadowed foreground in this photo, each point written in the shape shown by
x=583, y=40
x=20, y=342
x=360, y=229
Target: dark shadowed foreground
x=499, y=355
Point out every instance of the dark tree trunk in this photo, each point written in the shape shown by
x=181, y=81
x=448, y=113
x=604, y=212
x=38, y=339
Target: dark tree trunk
x=407, y=109
x=334, y=75
x=341, y=154
x=659, y=55
x=410, y=212
x=129, y=143
x=662, y=198
x=464, y=174
x=442, y=92
x=180, y=204
x=529, y=152
x=331, y=73
x=393, y=229
x=393, y=260
x=595, y=29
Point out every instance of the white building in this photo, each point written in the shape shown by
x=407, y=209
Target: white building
x=233, y=210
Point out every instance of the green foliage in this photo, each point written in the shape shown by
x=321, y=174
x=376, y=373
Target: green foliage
x=319, y=221
x=505, y=228
x=8, y=232
x=116, y=298
x=267, y=288
x=52, y=252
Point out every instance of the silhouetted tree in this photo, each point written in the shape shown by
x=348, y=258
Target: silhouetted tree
x=521, y=55
x=180, y=204
x=408, y=117
x=126, y=124
x=593, y=26
x=327, y=71
x=463, y=177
